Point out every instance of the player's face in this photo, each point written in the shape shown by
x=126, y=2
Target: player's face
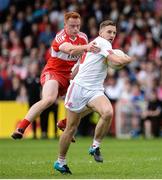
x=108, y=33
x=72, y=26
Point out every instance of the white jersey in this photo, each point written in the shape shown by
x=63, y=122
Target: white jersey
x=93, y=67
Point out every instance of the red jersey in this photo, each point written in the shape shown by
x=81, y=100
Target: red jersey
x=59, y=64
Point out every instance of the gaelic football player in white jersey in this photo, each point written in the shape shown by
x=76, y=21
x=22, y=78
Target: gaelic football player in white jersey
x=86, y=91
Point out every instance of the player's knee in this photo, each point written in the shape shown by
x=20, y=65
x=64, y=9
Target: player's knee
x=48, y=101
x=107, y=114
x=70, y=130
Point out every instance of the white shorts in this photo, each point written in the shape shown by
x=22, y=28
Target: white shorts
x=78, y=97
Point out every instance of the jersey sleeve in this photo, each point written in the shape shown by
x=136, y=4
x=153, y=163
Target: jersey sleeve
x=106, y=47
x=59, y=39
x=57, y=43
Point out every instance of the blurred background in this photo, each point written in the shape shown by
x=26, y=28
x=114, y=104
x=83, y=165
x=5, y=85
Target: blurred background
x=27, y=28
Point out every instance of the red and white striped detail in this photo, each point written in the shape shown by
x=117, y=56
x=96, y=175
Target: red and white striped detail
x=69, y=95
x=83, y=57
x=60, y=37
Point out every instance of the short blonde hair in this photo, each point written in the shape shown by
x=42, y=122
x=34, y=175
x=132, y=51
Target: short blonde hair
x=72, y=14
x=107, y=23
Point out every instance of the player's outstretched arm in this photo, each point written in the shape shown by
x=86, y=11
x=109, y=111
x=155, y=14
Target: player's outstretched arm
x=78, y=49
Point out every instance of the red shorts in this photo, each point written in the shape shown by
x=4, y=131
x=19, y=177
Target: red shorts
x=62, y=79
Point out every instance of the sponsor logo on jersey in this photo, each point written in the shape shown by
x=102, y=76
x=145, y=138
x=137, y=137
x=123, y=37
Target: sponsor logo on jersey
x=73, y=57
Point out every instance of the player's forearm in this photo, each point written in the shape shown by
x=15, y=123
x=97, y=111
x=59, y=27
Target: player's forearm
x=73, y=49
x=120, y=60
x=76, y=50
x=125, y=60
x=79, y=49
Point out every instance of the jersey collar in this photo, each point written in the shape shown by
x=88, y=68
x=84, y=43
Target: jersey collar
x=70, y=37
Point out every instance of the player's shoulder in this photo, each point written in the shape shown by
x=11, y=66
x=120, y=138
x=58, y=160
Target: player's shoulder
x=60, y=36
x=83, y=36
x=102, y=42
x=100, y=39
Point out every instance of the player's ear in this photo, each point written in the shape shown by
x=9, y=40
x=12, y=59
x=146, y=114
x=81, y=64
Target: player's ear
x=100, y=32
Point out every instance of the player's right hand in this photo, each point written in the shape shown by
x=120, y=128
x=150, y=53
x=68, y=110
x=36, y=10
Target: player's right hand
x=91, y=47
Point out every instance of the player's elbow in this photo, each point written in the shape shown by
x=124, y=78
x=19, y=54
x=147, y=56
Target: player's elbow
x=127, y=59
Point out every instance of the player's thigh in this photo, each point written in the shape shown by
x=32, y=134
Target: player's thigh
x=50, y=89
x=101, y=104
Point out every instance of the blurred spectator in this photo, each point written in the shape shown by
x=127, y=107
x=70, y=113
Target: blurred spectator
x=21, y=25
x=33, y=89
x=15, y=86
x=159, y=90
x=18, y=68
x=46, y=36
x=4, y=4
x=124, y=110
x=28, y=45
x=114, y=14
x=44, y=120
x=22, y=96
x=112, y=88
x=137, y=46
x=152, y=117
x=39, y=11
x=138, y=105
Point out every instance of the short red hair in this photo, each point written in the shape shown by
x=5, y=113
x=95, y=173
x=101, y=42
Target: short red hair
x=74, y=15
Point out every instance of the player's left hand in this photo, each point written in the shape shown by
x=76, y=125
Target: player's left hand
x=91, y=47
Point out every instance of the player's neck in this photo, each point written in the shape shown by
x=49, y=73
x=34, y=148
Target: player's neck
x=70, y=36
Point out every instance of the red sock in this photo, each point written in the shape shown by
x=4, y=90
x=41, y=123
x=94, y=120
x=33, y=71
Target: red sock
x=64, y=121
x=23, y=124
x=62, y=124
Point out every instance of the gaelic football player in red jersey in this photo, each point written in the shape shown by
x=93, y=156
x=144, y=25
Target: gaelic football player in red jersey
x=66, y=49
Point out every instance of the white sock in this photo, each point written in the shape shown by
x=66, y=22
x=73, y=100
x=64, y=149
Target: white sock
x=95, y=144
x=62, y=161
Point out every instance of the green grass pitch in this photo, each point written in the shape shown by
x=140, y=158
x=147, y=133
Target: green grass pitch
x=136, y=158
